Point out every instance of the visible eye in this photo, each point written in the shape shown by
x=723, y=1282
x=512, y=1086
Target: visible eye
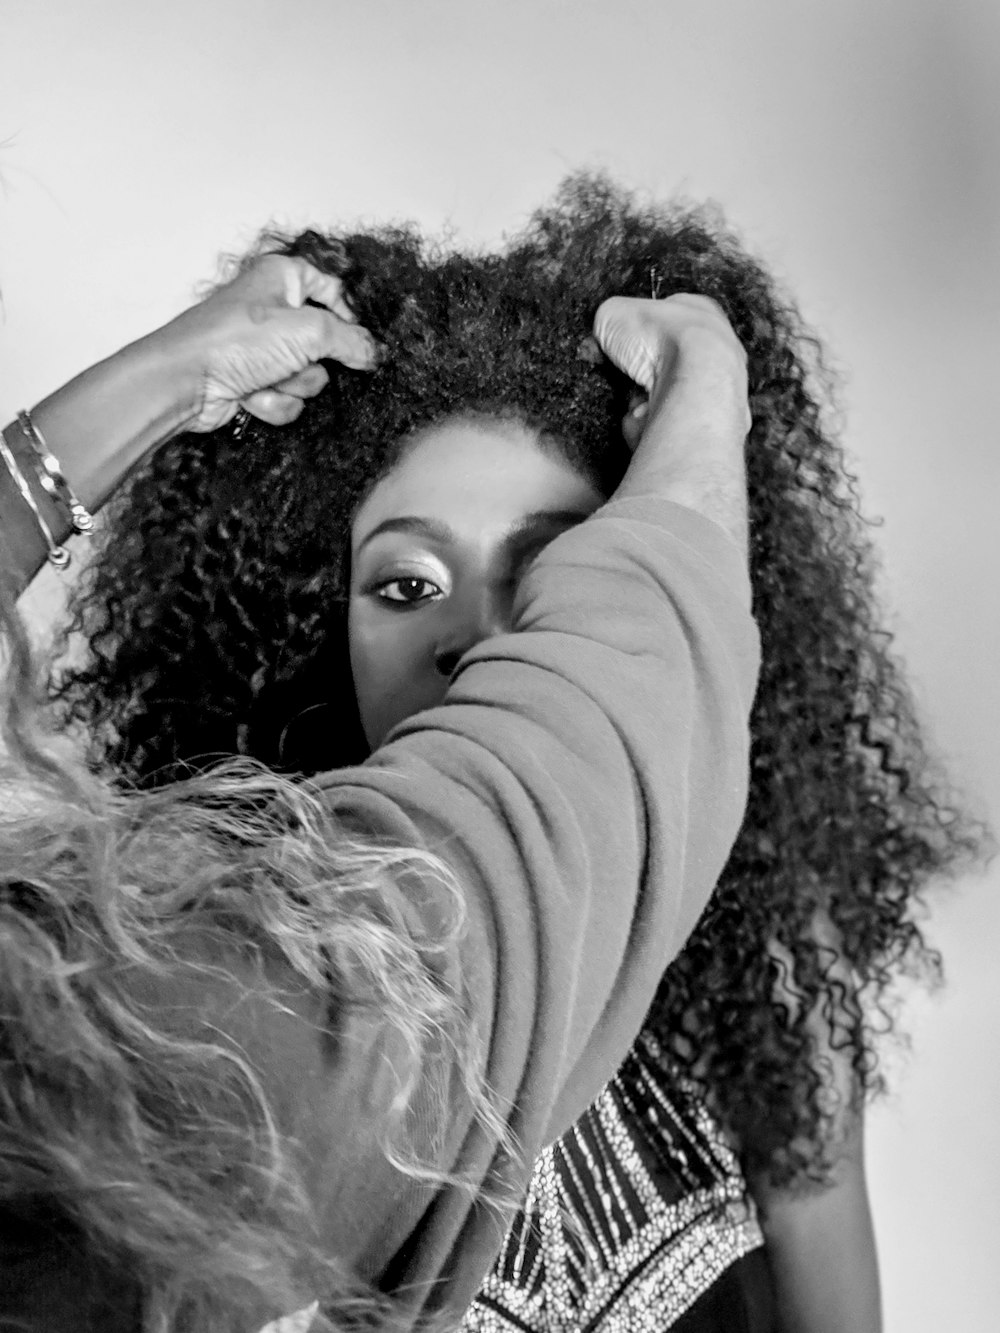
x=408, y=591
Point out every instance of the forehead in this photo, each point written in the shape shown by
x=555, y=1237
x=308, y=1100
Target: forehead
x=475, y=472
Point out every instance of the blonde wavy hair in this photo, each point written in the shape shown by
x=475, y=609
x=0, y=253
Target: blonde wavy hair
x=137, y=1145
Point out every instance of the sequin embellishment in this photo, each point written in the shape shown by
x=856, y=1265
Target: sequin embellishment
x=628, y=1219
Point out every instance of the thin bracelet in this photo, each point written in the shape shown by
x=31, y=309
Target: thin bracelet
x=57, y=555
x=50, y=475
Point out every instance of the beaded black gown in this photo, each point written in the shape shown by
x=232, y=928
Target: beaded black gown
x=637, y=1220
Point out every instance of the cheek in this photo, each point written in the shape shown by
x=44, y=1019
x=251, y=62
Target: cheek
x=392, y=663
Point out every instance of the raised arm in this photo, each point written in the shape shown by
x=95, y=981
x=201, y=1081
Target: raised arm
x=255, y=343
x=692, y=417
x=585, y=777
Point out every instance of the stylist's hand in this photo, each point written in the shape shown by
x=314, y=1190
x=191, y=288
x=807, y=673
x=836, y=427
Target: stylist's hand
x=683, y=349
x=256, y=344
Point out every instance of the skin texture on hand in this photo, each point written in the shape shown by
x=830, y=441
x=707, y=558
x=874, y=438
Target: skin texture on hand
x=678, y=345
x=258, y=341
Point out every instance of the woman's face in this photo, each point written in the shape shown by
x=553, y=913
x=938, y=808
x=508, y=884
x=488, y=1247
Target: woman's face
x=437, y=549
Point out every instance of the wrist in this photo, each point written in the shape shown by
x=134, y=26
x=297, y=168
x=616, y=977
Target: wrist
x=35, y=526
x=691, y=449
x=106, y=420
x=705, y=367
x=98, y=427
x=167, y=371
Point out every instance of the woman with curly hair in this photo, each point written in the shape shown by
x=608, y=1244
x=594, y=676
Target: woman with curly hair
x=266, y=1042
x=307, y=593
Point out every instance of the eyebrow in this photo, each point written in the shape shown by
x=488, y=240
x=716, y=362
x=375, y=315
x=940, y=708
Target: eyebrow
x=434, y=529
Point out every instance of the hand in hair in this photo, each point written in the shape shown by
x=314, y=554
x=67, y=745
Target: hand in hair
x=688, y=428
x=258, y=342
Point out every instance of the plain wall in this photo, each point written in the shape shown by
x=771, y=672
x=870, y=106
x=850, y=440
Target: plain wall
x=856, y=145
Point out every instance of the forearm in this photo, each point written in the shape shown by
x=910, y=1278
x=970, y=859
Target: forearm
x=693, y=457
x=688, y=433
x=821, y=1249
x=105, y=421
x=99, y=426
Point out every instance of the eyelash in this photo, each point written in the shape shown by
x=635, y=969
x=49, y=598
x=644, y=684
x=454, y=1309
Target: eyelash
x=524, y=560
x=406, y=602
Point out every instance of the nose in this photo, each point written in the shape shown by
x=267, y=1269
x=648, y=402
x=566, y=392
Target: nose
x=477, y=615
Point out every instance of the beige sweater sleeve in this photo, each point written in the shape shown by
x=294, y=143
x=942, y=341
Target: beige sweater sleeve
x=585, y=777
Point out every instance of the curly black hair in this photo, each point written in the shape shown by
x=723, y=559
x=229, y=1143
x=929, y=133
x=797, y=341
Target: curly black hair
x=216, y=616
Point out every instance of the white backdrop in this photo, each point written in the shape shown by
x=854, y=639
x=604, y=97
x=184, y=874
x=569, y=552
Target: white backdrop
x=856, y=143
